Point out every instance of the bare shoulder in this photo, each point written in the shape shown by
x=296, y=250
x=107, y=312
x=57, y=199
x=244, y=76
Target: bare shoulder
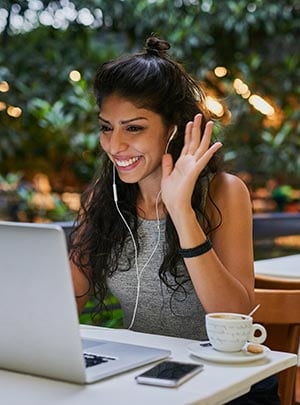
x=227, y=183
x=228, y=190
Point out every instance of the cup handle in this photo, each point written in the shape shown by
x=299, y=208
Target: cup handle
x=263, y=333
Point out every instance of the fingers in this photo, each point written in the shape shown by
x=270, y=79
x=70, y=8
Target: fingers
x=204, y=158
x=194, y=141
x=187, y=137
x=194, y=134
x=197, y=144
x=205, y=141
x=167, y=165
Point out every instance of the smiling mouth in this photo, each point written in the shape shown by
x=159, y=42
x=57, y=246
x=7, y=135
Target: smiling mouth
x=126, y=163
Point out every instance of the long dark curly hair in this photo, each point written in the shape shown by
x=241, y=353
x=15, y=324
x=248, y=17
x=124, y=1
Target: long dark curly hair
x=151, y=80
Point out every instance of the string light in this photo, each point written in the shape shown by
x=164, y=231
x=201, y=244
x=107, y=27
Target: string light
x=75, y=76
x=214, y=106
x=4, y=87
x=220, y=71
x=256, y=101
x=261, y=105
x=14, y=112
x=241, y=87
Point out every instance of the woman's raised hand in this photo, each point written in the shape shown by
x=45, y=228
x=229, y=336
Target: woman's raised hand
x=178, y=181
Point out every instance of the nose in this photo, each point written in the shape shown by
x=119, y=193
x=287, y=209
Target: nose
x=117, y=142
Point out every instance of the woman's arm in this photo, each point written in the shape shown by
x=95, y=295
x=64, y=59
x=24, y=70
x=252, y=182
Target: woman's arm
x=223, y=277
x=82, y=286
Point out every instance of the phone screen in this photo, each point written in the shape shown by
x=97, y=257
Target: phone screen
x=169, y=373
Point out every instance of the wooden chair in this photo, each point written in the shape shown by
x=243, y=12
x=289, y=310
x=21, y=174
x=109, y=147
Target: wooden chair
x=263, y=281
x=280, y=313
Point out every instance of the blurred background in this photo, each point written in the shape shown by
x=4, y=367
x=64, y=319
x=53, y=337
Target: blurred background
x=245, y=54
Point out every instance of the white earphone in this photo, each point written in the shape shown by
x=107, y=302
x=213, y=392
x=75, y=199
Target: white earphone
x=138, y=271
x=171, y=137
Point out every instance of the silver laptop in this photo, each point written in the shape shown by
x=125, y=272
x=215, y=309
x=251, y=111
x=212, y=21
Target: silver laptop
x=39, y=327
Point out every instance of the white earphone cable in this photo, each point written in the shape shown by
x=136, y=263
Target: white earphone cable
x=138, y=272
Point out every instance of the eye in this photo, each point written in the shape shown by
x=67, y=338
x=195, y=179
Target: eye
x=135, y=128
x=105, y=128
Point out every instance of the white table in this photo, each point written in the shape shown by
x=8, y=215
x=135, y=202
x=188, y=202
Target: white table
x=216, y=384
x=284, y=266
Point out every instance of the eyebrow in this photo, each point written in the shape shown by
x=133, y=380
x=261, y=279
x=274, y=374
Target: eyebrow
x=124, y=121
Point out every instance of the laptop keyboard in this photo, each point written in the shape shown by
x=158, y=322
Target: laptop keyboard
x=94, y=359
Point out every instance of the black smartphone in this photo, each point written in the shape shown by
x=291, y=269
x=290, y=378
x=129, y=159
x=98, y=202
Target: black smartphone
x=169, y=373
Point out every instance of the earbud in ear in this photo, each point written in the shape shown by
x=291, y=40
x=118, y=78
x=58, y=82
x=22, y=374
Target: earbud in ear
x=173, y=133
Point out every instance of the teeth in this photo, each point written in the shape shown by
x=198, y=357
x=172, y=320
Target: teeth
x=125, y=163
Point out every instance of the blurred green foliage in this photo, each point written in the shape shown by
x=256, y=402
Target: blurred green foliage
x=111, y=317
x=56, y=134
x=24, y=201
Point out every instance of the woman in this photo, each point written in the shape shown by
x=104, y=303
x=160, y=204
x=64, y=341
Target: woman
x=163, y=227
x=177, y=243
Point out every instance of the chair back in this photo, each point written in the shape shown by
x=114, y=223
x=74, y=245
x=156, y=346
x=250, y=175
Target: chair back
x=264, y=281
x=280, y=313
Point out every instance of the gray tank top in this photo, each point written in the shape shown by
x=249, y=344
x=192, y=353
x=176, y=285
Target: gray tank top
x=160, y=310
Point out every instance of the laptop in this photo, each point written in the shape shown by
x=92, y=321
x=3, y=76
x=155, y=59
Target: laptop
x=40, y=331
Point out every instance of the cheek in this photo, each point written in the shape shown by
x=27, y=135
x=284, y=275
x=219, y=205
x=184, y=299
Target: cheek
x=103, y=143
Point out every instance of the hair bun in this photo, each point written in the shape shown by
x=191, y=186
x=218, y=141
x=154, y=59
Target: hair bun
x=156, y=46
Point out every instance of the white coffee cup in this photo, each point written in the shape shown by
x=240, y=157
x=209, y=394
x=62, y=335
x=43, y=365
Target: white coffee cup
x=229, y=332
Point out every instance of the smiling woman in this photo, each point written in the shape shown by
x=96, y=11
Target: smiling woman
x=162, y=226
x=147, y=208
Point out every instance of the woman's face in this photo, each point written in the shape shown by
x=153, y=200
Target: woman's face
x=134, y=139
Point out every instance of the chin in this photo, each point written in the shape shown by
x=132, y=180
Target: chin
x=128, y=179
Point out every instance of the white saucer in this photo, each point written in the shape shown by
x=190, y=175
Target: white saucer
x=209, y=353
